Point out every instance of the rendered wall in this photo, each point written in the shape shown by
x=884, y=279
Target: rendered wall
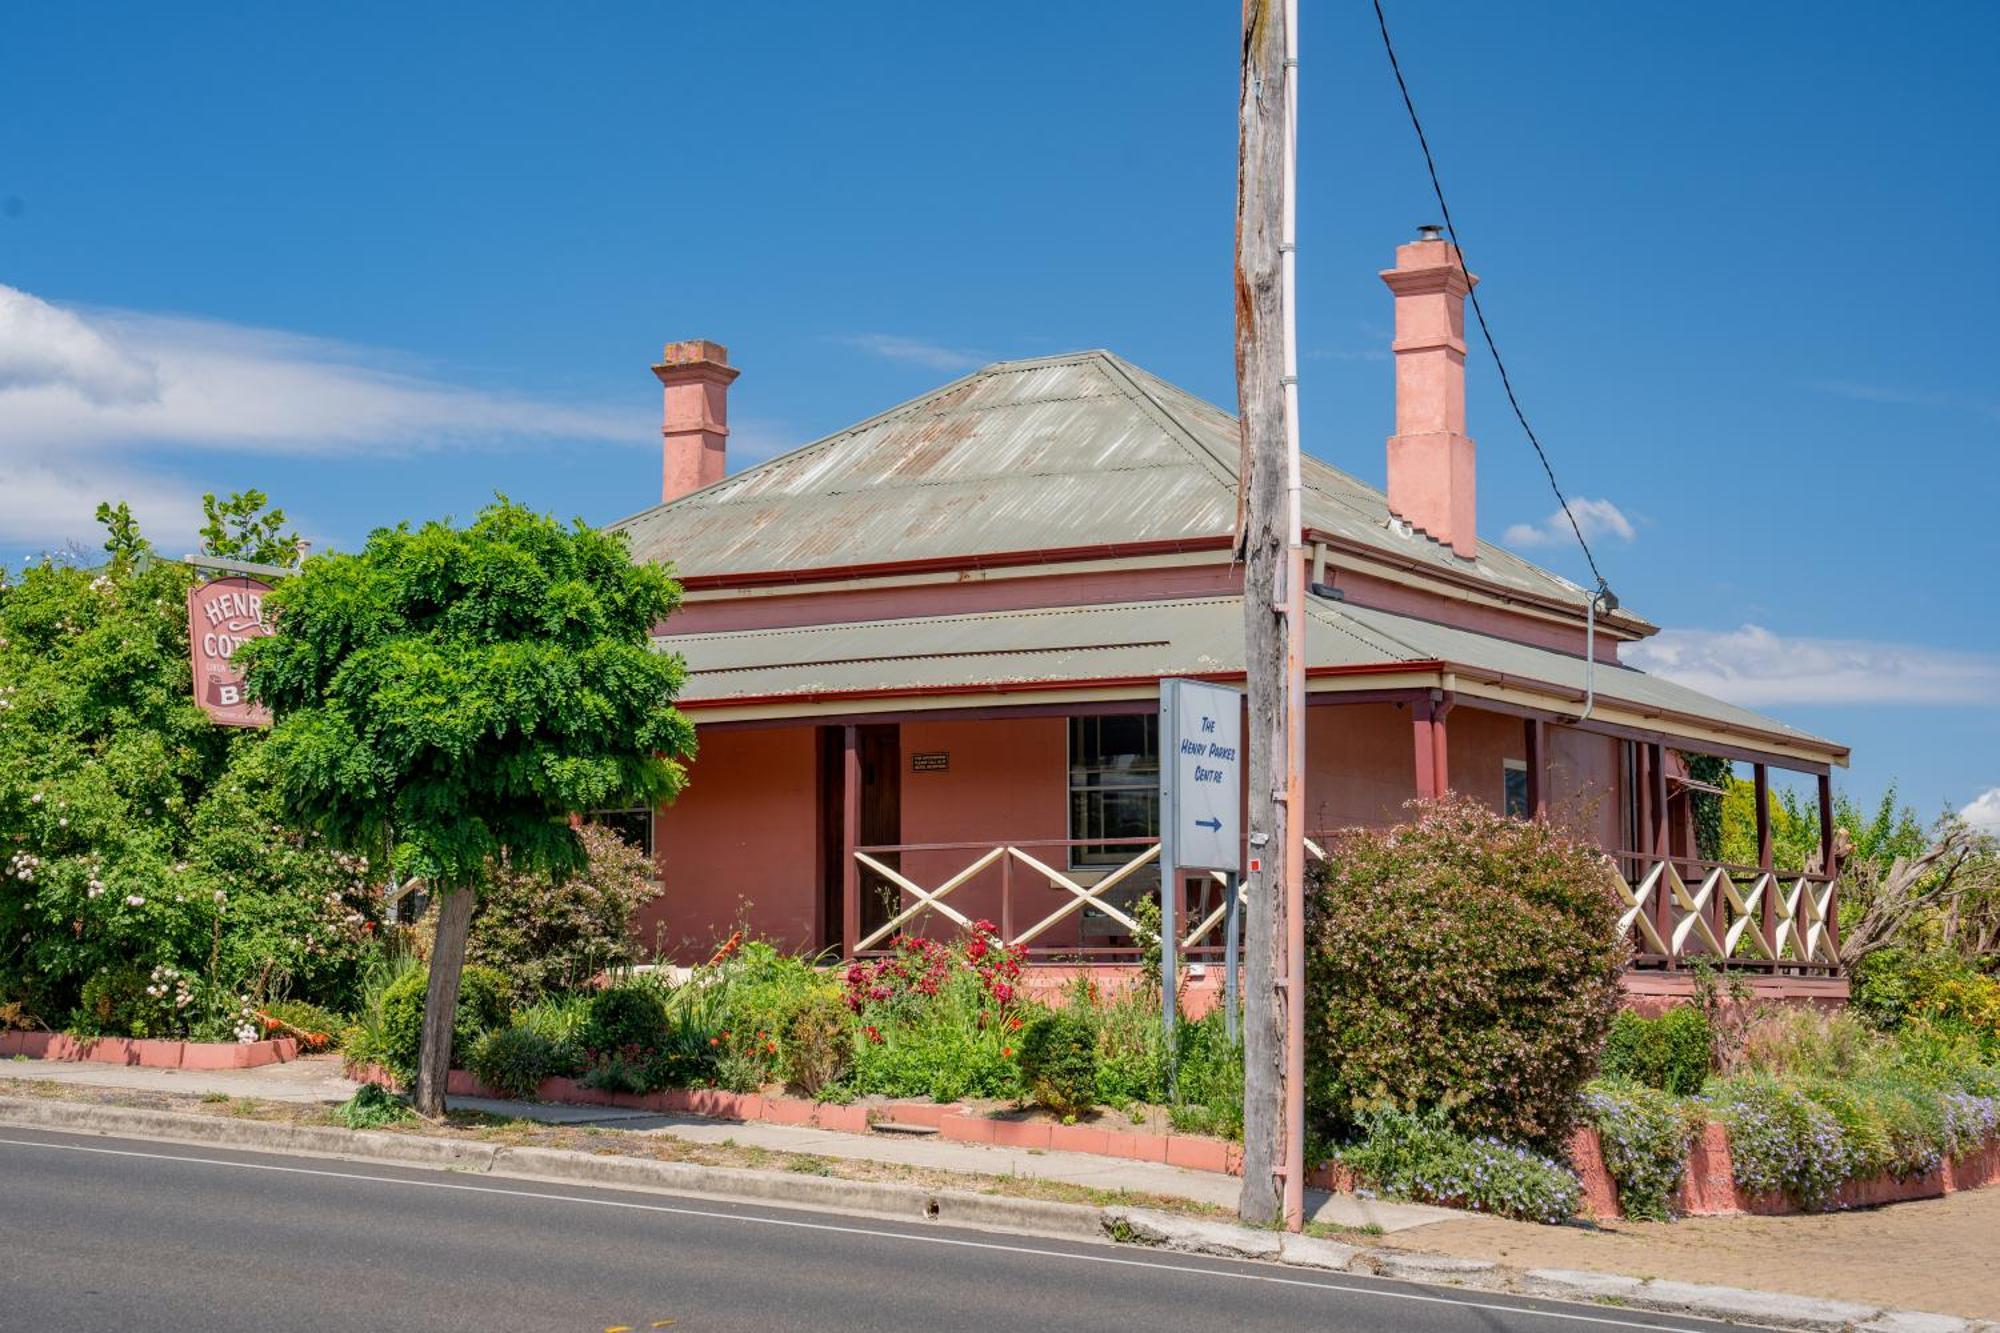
x=740, y=845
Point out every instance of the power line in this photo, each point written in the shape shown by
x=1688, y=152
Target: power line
x=1430, y=164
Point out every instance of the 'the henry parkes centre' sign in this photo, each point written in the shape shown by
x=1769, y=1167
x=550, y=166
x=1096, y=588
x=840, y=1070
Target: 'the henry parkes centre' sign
x=1201, y=770
x=223, y=615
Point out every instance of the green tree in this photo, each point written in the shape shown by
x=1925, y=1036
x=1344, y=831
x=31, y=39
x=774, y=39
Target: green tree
x=124, y=812
x=239, y=529
x=470, y=689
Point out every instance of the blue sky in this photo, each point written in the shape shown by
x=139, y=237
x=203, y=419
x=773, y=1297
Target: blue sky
x=383, y=260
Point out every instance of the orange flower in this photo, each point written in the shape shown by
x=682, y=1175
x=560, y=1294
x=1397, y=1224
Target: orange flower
x=715, y=1041
x=1006, y=1052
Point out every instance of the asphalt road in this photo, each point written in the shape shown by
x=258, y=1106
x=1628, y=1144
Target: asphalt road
x=100, y=1233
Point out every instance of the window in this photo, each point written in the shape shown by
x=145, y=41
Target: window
x=1114, y=785
x=1516, y=780
x=634, y=827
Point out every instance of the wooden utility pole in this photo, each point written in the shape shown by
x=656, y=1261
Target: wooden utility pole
x=1269, y=543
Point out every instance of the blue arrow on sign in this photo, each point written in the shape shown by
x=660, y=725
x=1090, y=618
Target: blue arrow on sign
x=1212, y=824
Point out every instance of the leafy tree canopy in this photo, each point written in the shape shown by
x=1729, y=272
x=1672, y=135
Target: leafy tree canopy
x=469, y=688
x=239, y=528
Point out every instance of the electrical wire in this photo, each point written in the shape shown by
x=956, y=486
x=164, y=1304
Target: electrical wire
x=1437, y=188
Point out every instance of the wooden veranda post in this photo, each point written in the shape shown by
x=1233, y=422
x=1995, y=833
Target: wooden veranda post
x=850, y=837
x=1273, y=622
x=1537, y=752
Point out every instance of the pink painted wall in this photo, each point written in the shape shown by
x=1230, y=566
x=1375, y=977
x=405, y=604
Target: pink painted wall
x=1360, y=765
x=740, y=843
x=1007, y=782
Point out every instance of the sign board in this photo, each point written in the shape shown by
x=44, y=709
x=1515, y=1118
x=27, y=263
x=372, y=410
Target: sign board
x=930, y=761
x=1201, y=774
x=223, y=616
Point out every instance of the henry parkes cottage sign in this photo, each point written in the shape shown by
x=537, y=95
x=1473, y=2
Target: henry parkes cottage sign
x=222, y=617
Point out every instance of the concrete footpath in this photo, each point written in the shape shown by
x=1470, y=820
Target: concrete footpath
x=318, y=1079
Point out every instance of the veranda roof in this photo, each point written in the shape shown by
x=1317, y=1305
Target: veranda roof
x=1121, y=650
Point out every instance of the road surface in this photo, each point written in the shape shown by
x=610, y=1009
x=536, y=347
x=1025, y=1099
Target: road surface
x=103, y=1233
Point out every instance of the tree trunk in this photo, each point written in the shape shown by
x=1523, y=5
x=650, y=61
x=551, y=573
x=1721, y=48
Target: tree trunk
x=1261, y=543
x=441, y=1000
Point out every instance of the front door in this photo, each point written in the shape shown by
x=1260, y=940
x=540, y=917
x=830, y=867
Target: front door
x=880, y=751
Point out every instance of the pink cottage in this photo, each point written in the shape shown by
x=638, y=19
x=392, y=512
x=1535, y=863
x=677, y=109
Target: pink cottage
x=924, y=657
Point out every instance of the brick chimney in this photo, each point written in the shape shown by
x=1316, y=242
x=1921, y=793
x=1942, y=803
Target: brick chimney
x=1431, y=478
x=695, y=429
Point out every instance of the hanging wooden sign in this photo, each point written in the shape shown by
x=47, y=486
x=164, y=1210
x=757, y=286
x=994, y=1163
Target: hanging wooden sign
x=222, y=617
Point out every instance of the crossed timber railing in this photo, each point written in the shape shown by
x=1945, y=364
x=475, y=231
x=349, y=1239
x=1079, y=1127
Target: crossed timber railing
x=1677, y=909
x=1027, y=877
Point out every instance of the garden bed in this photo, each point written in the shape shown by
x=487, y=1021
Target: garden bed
x=147, y=1053
x=1708, y=1186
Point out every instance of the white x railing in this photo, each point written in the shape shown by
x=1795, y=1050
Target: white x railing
x=1799, y=918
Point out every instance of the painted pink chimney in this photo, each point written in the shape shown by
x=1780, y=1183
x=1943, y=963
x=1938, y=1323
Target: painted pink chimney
x=1431, y=477
x=695, y=428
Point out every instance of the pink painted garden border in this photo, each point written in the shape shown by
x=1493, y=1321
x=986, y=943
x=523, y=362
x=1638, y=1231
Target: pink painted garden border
x=1708, y=1188
x=147, y=1053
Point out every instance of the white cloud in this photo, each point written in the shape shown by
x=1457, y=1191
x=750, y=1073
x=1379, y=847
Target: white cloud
x=1984, y=813
x=82, y=391
x=913, y=351
x=1755, y=667
x=1597, y=518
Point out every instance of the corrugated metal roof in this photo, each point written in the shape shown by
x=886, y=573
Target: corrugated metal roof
x=1139, y=641
x=1506, y=659
x=1056, y=453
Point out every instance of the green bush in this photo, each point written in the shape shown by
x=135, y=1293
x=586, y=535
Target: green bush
x=371, y=1107
x=482, y=1006
x=1208, y=1087
x=1782, y=1141
x=1059, y=1063
x=1645, y=1135
x=1467, y=963
x=548, y=937
x=514, y=1061
x=632, y=1016
x=1421, y=1157
x=314, y=1028
x=114, y=1003
x=1672, y=1052
x=1131, y=1065
x=818, y=1043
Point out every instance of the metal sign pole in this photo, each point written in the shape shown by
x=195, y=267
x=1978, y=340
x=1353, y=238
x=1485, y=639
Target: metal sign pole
x=1170, y=878
x=1232, y=929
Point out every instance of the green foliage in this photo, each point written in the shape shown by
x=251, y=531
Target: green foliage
x=1672, y=1052
x=1422, y=1157
x=1781, y=1140
x=1131, y=1064
x=562, y=1019
x=1208, y=1092
x=627, y=1015
x=238, y=529
x=1058, y=1059
x=818, y=1045
x=114, y=1002
x=1645, y=1135
x=314, y=1028
x=371, y=1107
x=939, y=1020
x=482, y=1006
x=470, y=687
x=514, y=1061
x=754, y=991
x=550, y=937
x=1465, y=963
x=127, y=812
x=1713, y=771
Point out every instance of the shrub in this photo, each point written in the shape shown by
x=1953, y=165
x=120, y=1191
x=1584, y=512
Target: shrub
x=1464, y=962
x=753, y=991
x=1421, y=1157
x=314, y=1028
x=1059, y=1063
x=939, y=1020
x=563, y=1021
x=371, y=1107
x=114, y=1002
x=1208, y=1085
x=819, y=1044
x=482, y=1006
x=1805, y=1042
x=1671, y=1052
x=631, y=1015
x=1781, y=1141
x=548, y=937
x=514, y=1061
x=1131, y=1065
x=1645, y=1135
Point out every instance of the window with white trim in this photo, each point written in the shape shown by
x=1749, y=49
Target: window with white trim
x=1514, y=779
x=1114, y=785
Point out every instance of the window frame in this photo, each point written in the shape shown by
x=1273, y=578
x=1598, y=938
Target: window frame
x=649, y=815
x=1508, y=768
x=1098, y=857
